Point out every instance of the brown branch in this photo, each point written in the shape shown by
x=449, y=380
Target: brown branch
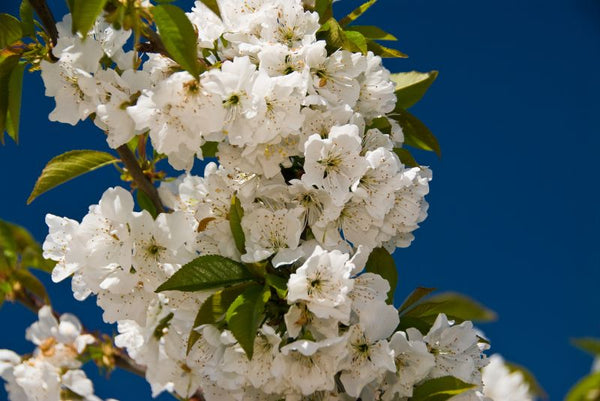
x=43, y=11
x=140, y=179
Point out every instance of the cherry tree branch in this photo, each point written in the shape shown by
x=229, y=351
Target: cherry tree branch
x=140, y=179
x=43, y=11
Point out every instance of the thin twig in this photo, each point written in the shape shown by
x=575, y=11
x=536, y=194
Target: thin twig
x=140, y=179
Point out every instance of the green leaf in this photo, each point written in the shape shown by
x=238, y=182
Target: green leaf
x=26, y=15
x=325, y=10
x=381, y=262
x=411, y=86
x=84, y=14
x=357, y=12
x=534, y=386
x=384, y=52
x=587, y=389
x=416, y=134
x=236, y=213
x=68, y=166
x=213, y=5
x=10, y=30
x=333, y=34
x=209, y=149
x=588, y=344
x=245, y=315
x=382, y=124
x=8, y=245
x=32, y=284
x=214, y=308
x=405, y=157
x=355, y=42
x=205, y=273
x=371, y=32
x=27, y=248
x=178, y=35
x=278, y=283
x=13, y=112
x=7, y=66
x=415, y=297
x=440, y=389
x=146, y=204
x=456, y=306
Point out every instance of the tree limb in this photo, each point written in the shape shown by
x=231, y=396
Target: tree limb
x=43, y=11
x=140, y=179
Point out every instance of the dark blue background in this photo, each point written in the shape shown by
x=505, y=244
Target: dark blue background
x=514, y=204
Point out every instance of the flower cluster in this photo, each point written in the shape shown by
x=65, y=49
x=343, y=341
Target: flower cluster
x=309, y=183
x=52, y=372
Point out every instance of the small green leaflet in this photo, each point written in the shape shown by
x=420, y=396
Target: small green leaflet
x=18, y=243
x=411, y=86
x=178, y=35
x=246, y=314
x=440, y=389
x=145, y=203
x=68, y=166
x=10, y=30
x=371, y=32
x=357, y=12
x=415, y=297
x=13, y=111
x=588, y=344
x=236, y=213
x=587, y=389
x=416, y=134
x=337, y=38
x=384, y=52
x=26, y=15
x=84, y=14
x=405, y=157
x=8, y=245
x=381, y=262
x=279, y=284
x=209, y=149
x=324, y=9
x=205, y=273
x=32, y=284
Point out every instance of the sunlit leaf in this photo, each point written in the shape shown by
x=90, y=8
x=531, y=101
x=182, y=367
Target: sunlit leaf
x=205, y=273
x=245, y=315
x=587, y=389
x=357, y=12
x=178, y=35
x=411, y=86
x=440, y=389
x=371, y=32
x=68, y=166
x=384, y=52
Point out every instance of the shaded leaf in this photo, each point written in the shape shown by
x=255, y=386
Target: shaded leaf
x=205, y=273
x=209, y=149
x=405, y=157
x=357, y=12
x=84, y=14
x=588, y=344
x=32, y=284
x=26, y=15
x=10, y=30
x=415, y=297
x=587, y=389
x=456, y=306
x=28, y=250
x=416, y=134
x=381, y=262
x=440, y=389
x=145, y=203
x=384, y=52
x=68, y=166
x=324, y=9
x=214, y=308
x=8, y=245
x=13, y=111
x=534, y=386
x=278, y=283
x=236, y=213
x=411, y=86
x=371, y=32
x=382, y=124
x=178, y=35
x=245, y=315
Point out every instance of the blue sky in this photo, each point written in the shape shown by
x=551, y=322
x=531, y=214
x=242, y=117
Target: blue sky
x=514, y=203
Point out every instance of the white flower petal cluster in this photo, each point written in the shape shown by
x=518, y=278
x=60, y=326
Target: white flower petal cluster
x=52, y=372
x=319, y=187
